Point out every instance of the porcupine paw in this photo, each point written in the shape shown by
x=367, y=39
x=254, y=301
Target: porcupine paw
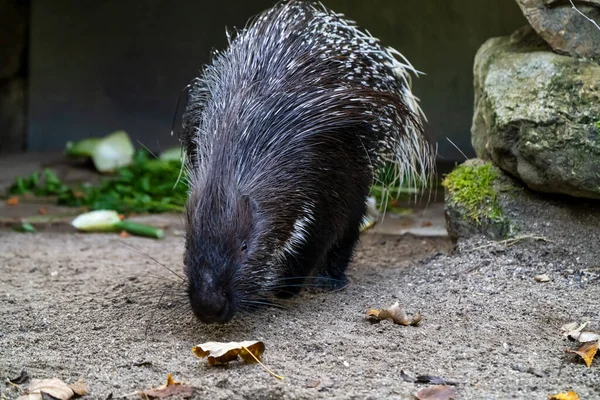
x=326, y=282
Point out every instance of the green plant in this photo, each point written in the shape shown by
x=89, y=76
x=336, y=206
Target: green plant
x=147, y=185
x=472, y=187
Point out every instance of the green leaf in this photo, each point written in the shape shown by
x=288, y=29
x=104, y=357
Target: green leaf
x=24, y=227
x=140, y=229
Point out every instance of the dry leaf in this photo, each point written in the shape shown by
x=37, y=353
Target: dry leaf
x=222, y=353
x=572, y=327
x=170, y=388
x=437, y=393
x=405, y=377
x=569, y=327
x=584, y=337
x=434, y=380
x=396, y=313
x=587, y=352
x=43, y=211
x=542, y=278
x=311, y=383
x=124, y=234
x=54, y=387
x=570, y=395
x=79, y=388
x=12, y=201
x=24, y=377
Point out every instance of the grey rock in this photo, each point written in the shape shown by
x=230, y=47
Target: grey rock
x=537, y=115
x=563, y=28
x=466, y=217
x=526, y=215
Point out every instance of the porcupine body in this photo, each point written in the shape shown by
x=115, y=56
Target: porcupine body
x=284, y=133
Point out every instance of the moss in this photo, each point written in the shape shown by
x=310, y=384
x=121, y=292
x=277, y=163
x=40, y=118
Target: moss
x=472, y=188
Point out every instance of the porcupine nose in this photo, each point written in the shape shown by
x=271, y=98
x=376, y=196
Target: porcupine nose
x=211, y=306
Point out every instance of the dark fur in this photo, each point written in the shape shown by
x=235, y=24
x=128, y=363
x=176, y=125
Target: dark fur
x=277, y=132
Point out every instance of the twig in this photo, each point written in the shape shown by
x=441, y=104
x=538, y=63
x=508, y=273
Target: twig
x=510, y=242
x=457, y=148
x=263, y=365
x=583, y=15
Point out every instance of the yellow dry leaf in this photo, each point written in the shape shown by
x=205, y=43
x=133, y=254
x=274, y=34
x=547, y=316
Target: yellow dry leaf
x=222, y=353
x=570, y=395
x=396, y=313
x=587, y=352
x=79, y=387
x=54, y=387
x=170, y=388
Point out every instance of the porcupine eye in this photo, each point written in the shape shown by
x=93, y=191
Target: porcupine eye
x=244, y=246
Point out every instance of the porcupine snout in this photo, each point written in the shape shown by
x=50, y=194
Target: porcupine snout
x=210, y=301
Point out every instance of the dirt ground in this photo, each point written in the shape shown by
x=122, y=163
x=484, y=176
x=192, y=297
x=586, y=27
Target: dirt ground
x=85, y=306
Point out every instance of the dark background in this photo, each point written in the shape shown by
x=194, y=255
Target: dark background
x=88, y=67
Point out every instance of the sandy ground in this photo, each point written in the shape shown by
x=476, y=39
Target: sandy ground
x=85, y=306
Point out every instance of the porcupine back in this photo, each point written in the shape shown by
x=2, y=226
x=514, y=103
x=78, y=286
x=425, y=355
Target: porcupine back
x=296, y=117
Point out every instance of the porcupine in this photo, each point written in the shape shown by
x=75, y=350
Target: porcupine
x=284, y=134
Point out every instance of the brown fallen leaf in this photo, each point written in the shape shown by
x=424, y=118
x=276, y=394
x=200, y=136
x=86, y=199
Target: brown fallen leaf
x=124, y=234
x=79, y=388
x=434, y=380
x=396, y=313
x=587, y=352
x=570, y=395
x=43, y=211
x=437, y=393
x=53, y=387
x=12, y=201
x=222, y=353
x=311, y=383
x=24, y=377
x=170, y=388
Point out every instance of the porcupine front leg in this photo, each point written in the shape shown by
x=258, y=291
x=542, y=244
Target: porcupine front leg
x=333, y=277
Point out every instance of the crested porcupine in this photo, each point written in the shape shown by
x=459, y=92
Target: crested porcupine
x=284, y=133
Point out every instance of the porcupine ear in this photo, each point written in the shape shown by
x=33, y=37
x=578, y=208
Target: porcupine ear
x=246, y=209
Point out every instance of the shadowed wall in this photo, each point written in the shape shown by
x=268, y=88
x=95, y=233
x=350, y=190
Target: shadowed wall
x=99, y=66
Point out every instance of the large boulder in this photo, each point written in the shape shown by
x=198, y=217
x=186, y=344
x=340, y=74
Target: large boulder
x=563, y=27
x=537, y=115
